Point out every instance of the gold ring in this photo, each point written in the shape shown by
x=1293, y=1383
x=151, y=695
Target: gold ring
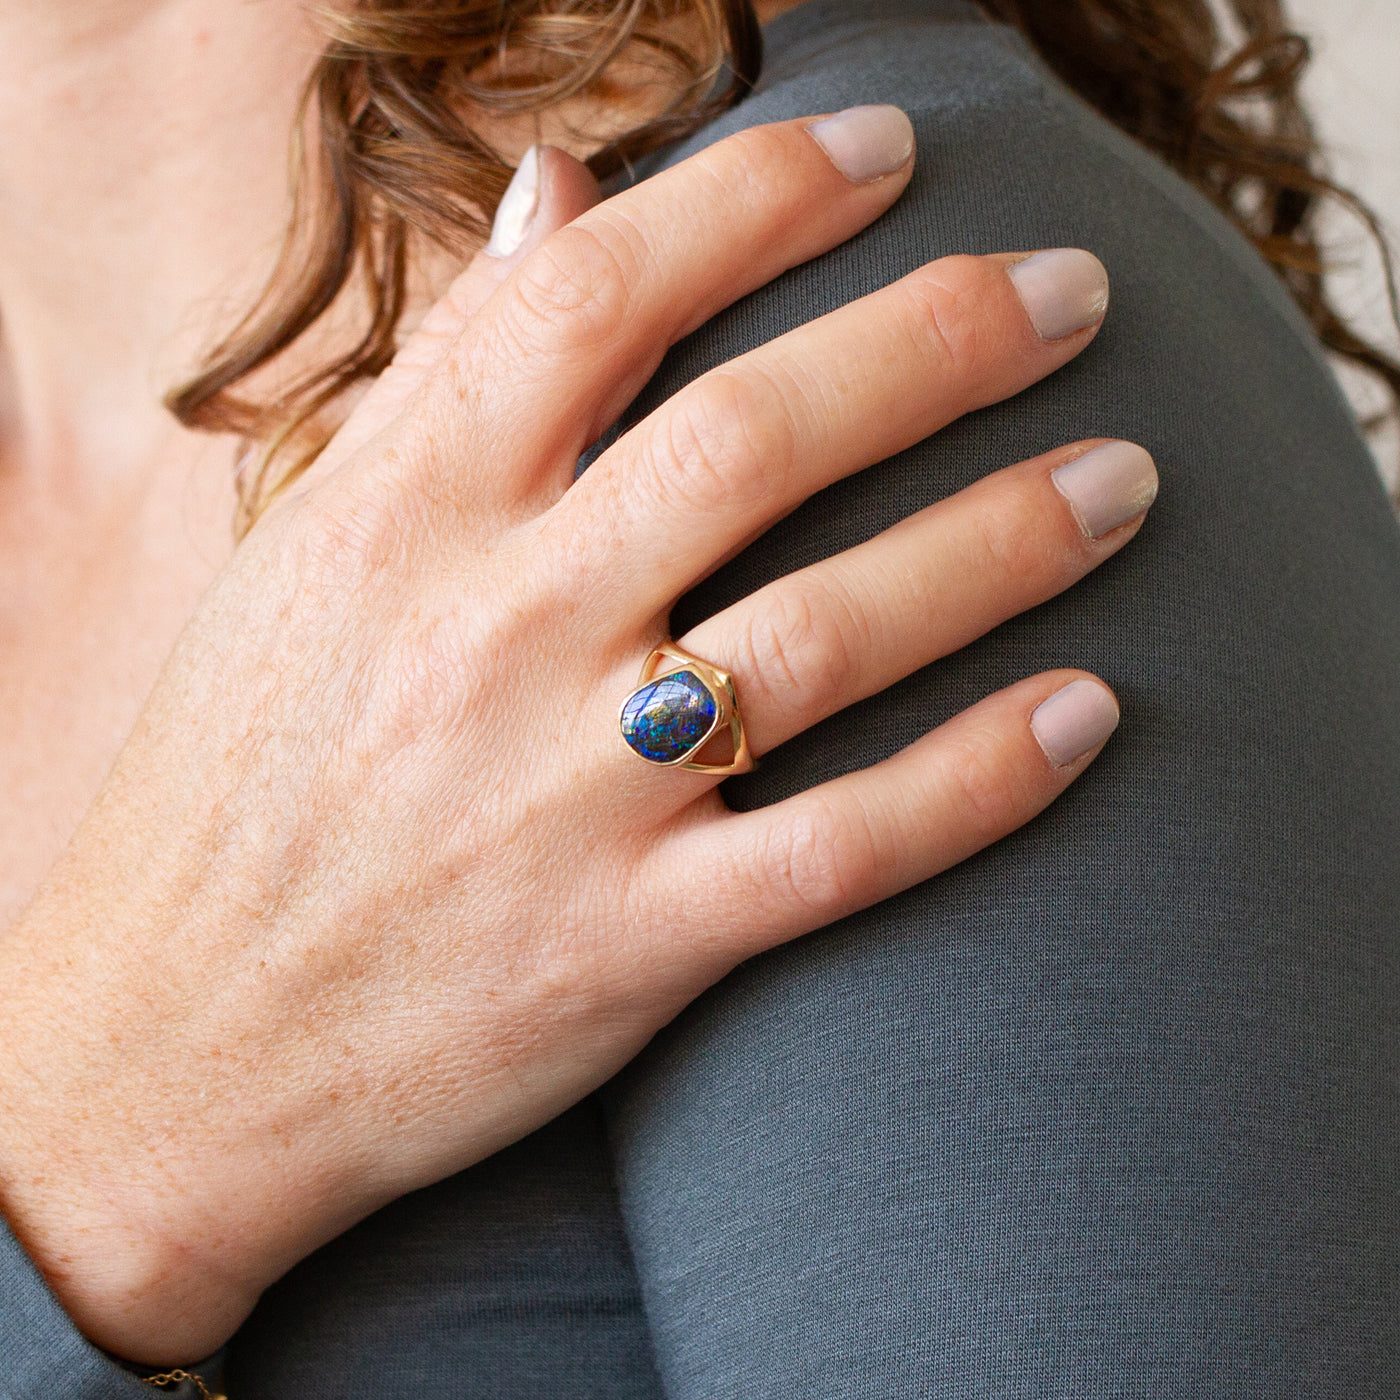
x=679, y=705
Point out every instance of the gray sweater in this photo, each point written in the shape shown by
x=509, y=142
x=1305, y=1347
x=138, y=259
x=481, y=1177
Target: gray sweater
x=1109, y=1110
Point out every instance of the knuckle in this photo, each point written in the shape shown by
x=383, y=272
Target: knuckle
x=798, y=648
x=442, y=668
x=353, y=533
x=719, y=441
x=1008, y=549
x=986, y=788
x=825, y=860
x=427, y=680
x=948, y=310
x=372, y=519
x=574, y=291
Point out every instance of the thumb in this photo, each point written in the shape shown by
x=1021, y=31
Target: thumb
x=549, y=189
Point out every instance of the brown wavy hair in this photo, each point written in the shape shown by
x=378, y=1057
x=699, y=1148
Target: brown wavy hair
x=391, y=159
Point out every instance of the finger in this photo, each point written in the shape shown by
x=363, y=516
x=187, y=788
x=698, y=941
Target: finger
x=800, y=864
x=550, y=188
x=747, y=442
x=566, y=343
x=812, y=643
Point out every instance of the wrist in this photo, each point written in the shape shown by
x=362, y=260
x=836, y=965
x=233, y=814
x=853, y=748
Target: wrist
x=124, y=1288
x=99, y=1204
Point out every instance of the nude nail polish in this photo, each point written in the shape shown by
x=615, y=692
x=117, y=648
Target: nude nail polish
x=1064, y=290
x=517, y=208
x=864, y=143
x=1075, y=719
x=1108, y=486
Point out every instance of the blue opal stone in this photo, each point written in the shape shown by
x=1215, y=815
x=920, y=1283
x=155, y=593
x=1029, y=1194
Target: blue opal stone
x=667, y=718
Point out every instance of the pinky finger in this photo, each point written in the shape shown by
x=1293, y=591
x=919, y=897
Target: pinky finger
x=816, y=857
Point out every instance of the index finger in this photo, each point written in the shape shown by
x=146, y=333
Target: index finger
x=568, y=341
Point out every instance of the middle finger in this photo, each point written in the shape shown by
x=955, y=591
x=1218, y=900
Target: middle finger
x=749, y=441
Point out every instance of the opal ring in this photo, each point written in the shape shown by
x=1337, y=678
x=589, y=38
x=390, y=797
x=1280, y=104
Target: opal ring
x=679, y=705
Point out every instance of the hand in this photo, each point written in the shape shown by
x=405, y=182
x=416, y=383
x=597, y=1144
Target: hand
x=375, y=887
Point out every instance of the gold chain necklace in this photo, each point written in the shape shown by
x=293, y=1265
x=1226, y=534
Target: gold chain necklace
x=168, y=1378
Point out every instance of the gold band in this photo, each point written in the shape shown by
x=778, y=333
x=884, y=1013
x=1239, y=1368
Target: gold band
x=679, y=705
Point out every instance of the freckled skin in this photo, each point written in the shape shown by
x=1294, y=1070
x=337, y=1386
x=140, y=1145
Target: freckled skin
x=327, y=916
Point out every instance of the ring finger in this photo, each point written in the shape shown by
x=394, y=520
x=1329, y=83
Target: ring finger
x=822, y=638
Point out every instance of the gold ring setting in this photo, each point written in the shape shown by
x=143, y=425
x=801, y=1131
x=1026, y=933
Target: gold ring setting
x=679, y=705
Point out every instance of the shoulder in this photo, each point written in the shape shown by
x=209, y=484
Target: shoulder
x=1204, y=357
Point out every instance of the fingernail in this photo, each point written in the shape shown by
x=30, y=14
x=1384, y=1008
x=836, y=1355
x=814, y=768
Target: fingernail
x=864, y=143
x=1108, y=486
x=517, y=207
x=1074, y=720
x=1063, y=290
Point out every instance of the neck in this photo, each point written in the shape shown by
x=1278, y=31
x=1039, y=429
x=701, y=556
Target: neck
x=143, y=193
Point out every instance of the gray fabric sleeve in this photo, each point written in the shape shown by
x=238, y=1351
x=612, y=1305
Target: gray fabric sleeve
x=1111, y=1109
x=42, y=1354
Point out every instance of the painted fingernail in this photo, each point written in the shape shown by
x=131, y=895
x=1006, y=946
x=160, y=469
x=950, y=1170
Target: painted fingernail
x=1064, y=290
x=516, y=210
x=864, y=143
x=1075, y=719
x=1108, y=486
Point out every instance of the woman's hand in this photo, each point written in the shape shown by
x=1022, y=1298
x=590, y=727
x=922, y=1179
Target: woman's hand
x=375, y=887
